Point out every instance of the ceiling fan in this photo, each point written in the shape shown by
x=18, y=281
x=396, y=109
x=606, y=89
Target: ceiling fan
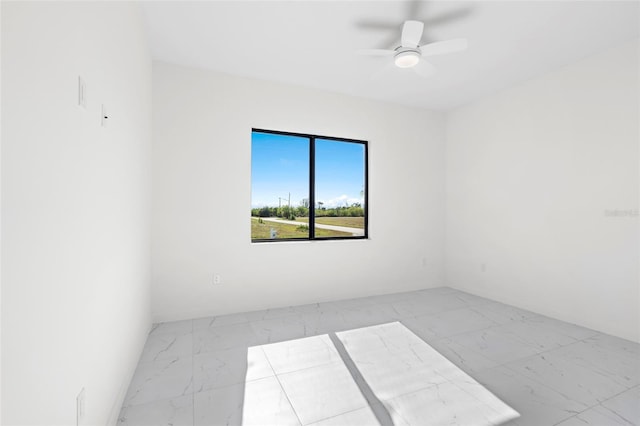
x=411, y=55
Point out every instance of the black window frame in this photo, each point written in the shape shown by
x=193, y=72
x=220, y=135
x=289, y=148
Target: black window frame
x=312, y=201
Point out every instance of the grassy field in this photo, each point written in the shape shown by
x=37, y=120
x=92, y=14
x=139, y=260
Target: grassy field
x=261, y=231
x=351, y=222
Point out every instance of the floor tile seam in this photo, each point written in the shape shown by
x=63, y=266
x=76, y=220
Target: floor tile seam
x=227, y=385
x=193, y=355
x=528, y=344
x=172, y=336
x=617, y=377
x=336, y=361
x=433, y=313
x=337, y=415
x=573, y=416
x=520, y=380
x=469, y=308
x=415, y=316
x=608, y=399
x=216, y=328
x=279, y=317
x=549, y=352
x=266, y=357
x=181, y=354
x=226, y=348
x=390, y=303
x=574, y=339
x=220, y=325
x=474, y=351
x=440, y=338
x=509, y=323
x=494, y=326
x=234, y=383
x=558, y=391
x=479, y=400
x=593, y=407
x=155, y=325
x=631, y=386
x=506, y=364
x=279, y=384
x=382, y=400
x=609, y=349
x=522, y=376
x=540, y=350
x=286, y=395
x=156, y=400
x=366, y=404
x=474, y=304
x=146, y=363
x=584, y=338
x=470, y=331
x=619, y=416
x=488, y=357
x=166, y=334
x=451, y=382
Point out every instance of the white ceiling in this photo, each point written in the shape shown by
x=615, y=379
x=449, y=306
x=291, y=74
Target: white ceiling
x=313, y=43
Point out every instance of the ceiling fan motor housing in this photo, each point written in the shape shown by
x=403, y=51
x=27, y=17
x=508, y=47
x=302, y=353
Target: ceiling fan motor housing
x=407, y=57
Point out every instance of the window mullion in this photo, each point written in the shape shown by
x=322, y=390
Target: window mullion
x=312, y=188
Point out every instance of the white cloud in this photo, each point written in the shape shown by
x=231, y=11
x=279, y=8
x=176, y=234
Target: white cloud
x=342, y=201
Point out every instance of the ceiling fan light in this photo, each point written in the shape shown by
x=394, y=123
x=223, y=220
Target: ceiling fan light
x=407, y=59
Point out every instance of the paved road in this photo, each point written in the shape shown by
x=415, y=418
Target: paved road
x=354, y=231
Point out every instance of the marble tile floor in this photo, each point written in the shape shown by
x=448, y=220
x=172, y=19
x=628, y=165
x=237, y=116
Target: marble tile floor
x=204, y=371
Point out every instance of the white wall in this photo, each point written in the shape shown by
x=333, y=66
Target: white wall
x=530, y=174
x=75, y=208
x=0, y=221
x=202, y=197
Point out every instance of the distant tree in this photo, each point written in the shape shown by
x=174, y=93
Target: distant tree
x=302, y=211
x=264, y=212
x=285, y=212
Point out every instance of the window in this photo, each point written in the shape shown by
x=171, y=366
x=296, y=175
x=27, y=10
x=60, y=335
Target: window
x=306, y=187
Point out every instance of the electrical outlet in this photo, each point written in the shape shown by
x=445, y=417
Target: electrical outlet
x=217, y=279
x=80, y=408
x=82, y=93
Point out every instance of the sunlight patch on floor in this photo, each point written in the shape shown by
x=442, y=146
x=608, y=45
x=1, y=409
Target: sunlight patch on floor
x=382, y=374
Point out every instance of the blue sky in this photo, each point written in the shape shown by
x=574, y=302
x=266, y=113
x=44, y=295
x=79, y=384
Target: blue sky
x=280, y=164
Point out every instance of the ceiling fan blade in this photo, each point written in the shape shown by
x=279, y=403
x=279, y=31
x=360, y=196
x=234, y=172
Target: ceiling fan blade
x=424, y=69
x=386, y=70
x=375, y=52
x=443, y=47
x=413, y=9
x=412, y=33
x=377, y=25
x=445, y=17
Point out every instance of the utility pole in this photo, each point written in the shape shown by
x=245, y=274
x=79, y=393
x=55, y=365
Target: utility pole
x=288, y=200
